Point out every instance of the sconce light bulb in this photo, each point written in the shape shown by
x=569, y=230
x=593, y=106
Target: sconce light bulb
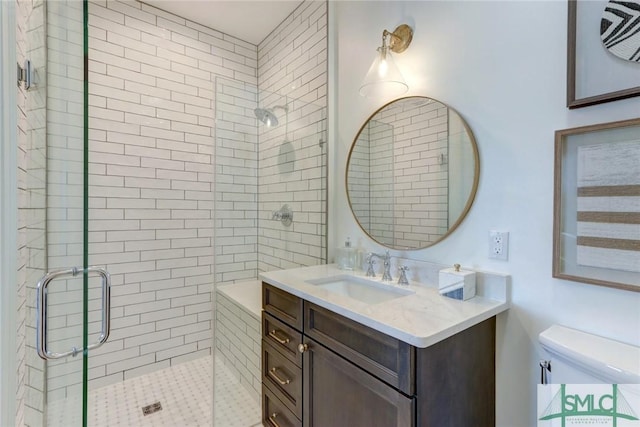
x=383, y=77
x=383, y=68
x=383, y=64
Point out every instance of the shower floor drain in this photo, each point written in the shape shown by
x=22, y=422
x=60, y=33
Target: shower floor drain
x=150, y=409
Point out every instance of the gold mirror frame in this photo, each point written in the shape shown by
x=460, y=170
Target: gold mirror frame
x=472, y=191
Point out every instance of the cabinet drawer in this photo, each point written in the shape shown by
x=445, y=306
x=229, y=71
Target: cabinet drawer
x=391, y=360
x=282, y=377
x=275, y=413
x=283, y=337
x=282, y=305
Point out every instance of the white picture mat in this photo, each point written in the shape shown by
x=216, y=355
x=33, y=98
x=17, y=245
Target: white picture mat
x=604, y=165
x=598, y=71
x=569, y=206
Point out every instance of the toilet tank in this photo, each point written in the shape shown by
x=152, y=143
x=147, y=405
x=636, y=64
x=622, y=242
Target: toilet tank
x=579, y=357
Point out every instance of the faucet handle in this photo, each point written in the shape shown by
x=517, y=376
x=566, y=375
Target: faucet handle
x=402, y=280
x=371, y=262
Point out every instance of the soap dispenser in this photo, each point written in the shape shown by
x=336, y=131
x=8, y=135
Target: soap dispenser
x=346, y=256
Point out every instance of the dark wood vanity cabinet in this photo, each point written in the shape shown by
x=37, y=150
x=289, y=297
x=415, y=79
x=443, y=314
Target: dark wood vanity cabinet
x=338, y=393
x=320, y=369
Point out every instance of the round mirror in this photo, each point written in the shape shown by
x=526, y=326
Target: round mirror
x=412, y=173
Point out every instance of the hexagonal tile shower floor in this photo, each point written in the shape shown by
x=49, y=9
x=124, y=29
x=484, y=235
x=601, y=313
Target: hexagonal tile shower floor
x=183, y=391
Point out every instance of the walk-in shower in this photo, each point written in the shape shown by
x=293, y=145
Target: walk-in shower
x=151, y=164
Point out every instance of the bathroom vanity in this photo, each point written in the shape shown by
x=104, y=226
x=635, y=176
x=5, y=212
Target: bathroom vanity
x=333, y=357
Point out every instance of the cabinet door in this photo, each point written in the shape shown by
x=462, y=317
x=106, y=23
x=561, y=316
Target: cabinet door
x=337, y=393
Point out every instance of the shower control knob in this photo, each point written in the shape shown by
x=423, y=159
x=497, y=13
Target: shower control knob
x=303, y=347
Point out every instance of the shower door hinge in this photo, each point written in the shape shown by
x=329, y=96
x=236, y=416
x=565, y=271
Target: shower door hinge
x=25, y=74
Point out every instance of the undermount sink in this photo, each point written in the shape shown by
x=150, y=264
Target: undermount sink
x=361, y=289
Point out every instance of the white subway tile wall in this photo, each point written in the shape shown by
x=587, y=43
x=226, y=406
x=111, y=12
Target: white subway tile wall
x=151, y=165
x=162, y=89
x=359, y=180
x=36, y=181
x=292, y=71
x=238, y=340
x=398, y=206
x=382, y=189
x=421, y=136
x=236, y=178
x=258, y=169
x=65, y=188
x=22, y=12
x=31, y=163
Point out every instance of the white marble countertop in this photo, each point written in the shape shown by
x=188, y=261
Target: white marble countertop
x=420, y=319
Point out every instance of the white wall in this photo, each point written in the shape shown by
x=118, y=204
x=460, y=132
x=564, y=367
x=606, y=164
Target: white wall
x=502, y=66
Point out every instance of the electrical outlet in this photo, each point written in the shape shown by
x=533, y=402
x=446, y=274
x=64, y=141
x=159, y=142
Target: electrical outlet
x=499, y=244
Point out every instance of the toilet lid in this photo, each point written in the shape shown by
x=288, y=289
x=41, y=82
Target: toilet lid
x=620, y=29
x=603, y=358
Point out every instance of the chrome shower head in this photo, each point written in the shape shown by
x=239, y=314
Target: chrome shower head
x=266, y=116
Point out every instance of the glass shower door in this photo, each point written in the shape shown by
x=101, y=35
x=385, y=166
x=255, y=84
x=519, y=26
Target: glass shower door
x=102, y=208
x=68, y=307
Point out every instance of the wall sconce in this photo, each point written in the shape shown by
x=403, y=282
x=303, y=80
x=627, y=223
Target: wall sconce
x=384, y=77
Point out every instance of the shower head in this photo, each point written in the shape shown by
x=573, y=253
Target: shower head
x=267, y=116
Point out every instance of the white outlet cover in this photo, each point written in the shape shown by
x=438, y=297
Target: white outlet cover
x=499, y=245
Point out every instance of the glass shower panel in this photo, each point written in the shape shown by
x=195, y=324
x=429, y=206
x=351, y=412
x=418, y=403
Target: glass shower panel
x=54, y=388
x=237, y=306
x=150, y=173
x=146, y=218
x=32, y=201
x=270, y=152
x=236, y=174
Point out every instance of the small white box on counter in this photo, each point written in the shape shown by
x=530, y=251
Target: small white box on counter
x=456, y=283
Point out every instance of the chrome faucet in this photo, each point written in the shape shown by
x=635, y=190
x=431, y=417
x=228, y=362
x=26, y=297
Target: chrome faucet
x=386, y=262
x=402, y=280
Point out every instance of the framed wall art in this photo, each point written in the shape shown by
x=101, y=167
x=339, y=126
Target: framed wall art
x=603, y=51
x=596, y=221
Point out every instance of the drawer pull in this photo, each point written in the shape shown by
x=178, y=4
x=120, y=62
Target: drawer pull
x=274, y=375
x=303, y=347
x=272, y=419
x=274, y=334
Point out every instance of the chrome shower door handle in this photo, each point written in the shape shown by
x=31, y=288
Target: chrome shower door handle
x=41, y=311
